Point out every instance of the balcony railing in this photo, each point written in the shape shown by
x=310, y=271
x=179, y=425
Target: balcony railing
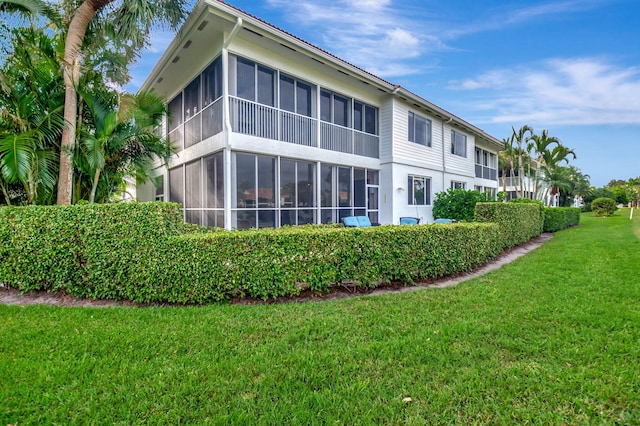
x=486, y=172
x=203, y=125
x=254, y=119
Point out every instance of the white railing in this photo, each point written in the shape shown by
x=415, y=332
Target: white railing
x=251, y=118
x=336, y=138
x=298, y=129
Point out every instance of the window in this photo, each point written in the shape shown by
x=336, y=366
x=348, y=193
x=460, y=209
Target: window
x=347, y=191
x=175, y=112
x=419, y=130
x=212, y=82
x=458, y=144
x=419, y=190
x=458, y=185
x=295, y=96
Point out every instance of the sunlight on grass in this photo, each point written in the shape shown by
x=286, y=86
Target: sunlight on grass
x=550, y=338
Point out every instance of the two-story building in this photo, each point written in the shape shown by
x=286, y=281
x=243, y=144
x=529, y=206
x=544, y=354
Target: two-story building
x=273, y=131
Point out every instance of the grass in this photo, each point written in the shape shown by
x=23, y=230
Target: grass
x=551, y=338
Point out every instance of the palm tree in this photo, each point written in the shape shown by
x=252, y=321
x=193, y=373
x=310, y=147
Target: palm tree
x=540, y=146
x=521, y=138
x=506, y=160
x=31, y=118
x=120, y=143
x=130, y=21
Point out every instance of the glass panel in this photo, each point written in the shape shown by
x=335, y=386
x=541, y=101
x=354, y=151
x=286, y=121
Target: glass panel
x=214, y=218
x=359, y=212
x=325, y=106
x=287, y=94
x=359, y=188
x=306, y=216
x=192, y=133
x=327, y=186
x=211, y=186
x=421, y=130
x=357, y=116
x=303, y=99
x=176, y=139
x=410, y=199
x=266, y=86
x=344, y=187
x=373, y=198
x=192, y=99
x=246, y=79
x=326, y=216
x=342, y=213
x=287, y=183
x=418, y=191
x=176, y=185
x=306, y=179
x=373, y=217
x=412, y=134
x=372, y=177
x=266, y=219
x=193, y=216
x=246, y=219
x=287, y=217
x=371, y=120
x=220, y=181
x=340, y=111
x=175, y=112
x=193, y=194
x=212, y=82
x=246, y=180
x=266, y=181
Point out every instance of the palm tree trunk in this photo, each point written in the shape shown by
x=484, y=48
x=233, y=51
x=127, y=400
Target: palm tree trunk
x=72, y=71
x=94, y=186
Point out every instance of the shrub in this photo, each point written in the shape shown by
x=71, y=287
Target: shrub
x=144, y=253
x=603, y=207
x=458, y=204
x=559, y=218
x=518, y=222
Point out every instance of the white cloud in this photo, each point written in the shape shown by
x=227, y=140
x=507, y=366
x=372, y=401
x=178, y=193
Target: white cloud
x=560, y=91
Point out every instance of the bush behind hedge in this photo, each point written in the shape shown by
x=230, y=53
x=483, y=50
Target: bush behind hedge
x=144, y=253
x=559, y=218
x=518, y=222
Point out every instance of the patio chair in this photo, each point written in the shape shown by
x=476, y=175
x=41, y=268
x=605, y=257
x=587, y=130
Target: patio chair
x=442, y=221
x=409, y=220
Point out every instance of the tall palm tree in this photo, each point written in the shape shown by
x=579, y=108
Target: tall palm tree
x=130, y=21
x=506, y=160
x=541, y=144
x=521, y=139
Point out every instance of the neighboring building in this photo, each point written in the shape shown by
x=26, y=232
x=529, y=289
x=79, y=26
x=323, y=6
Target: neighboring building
x=273, y=131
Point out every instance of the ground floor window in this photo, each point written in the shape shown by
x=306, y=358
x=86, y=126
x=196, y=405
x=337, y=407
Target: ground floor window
x=419, y=190
x=269, y=191
x=199, y=187
x=458, y=185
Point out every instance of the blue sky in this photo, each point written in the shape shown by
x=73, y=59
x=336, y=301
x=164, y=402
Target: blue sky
x=569, y=66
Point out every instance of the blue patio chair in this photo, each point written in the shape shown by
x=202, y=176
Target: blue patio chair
x=356, y=221
x=442, y=221
x=409, y=220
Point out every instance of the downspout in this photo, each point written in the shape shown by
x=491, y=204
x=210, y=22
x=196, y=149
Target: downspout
x=444, y=162
x=227, y=122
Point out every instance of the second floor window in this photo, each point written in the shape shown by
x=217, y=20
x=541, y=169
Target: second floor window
x=458, y=144
x=419, y=130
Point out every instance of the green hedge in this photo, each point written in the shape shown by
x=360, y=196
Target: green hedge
x=559, y=218
x=518, y=222
x=86, y=250
x=144, y=253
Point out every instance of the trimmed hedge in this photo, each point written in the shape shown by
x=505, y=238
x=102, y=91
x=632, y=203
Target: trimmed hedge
x=86, y=250
x=518, y=222
x=559, y=218
x=144, y=253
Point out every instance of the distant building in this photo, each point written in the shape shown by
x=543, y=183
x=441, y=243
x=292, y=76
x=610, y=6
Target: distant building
x=273, y=131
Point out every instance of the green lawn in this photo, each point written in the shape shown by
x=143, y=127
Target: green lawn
x=551, y=338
